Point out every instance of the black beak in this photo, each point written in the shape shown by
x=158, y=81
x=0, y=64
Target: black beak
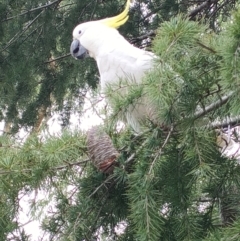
x=77, y=50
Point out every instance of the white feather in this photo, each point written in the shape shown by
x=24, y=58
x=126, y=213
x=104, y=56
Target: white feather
x=117, y=60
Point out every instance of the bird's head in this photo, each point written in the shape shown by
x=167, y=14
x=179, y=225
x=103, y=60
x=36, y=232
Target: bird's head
x=87, y=37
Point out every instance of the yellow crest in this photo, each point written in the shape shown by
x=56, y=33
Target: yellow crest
x=118, y=20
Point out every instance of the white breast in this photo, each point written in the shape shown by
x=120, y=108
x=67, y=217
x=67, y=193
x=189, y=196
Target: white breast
x=118, y=70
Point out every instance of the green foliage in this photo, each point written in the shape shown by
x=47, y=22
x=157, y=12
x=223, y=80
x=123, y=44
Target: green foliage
x=171, y=182
x=35, y=165
x=179, y=185
x=30, y=78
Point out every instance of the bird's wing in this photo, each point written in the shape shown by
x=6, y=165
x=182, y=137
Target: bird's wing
x=124, y=62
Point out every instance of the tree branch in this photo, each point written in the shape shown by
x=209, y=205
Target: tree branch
x=213, y=106
x=142, y=37
x=197, y=10
x=33, y=10
x=19, y=34
x=3, y=172
x=102, y=184
x=58, y=58
x=159, y=153
x=229, y=121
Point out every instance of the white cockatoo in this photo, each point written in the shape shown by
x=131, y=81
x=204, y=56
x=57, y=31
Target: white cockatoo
x=116, y=58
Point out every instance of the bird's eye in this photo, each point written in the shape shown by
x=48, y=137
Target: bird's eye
x=79, y=31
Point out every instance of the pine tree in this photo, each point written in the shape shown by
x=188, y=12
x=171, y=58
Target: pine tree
x=169, y=183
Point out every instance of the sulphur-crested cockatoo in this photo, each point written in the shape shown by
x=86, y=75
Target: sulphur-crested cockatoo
x=116, y=58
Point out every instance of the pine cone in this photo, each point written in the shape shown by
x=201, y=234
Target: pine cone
x=101, y=150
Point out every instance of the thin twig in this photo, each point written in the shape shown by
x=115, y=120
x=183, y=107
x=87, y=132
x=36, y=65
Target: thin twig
x=135, y=153
x=24, y=224
x=105, y=182
x=150, y=14
x=70, y=165
x=19, y=34
x=159, y=153
x=138, y=150
x=58, y=58
x=3, y=172
x=206, y=47
x=142, y=37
